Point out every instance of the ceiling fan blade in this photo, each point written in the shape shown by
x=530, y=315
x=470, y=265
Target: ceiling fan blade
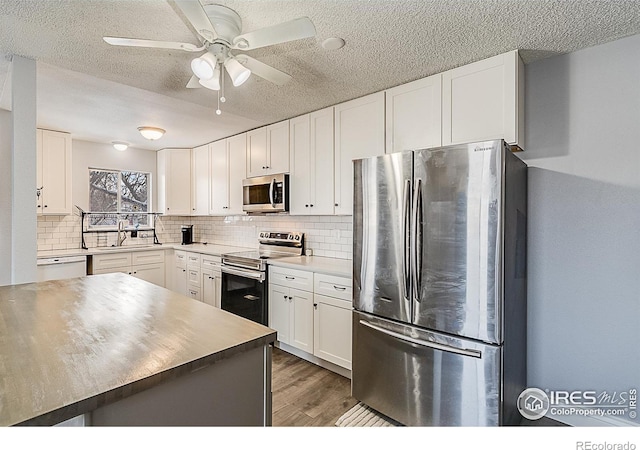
x=263, y=70
x=126, y=42
x=194, y=11
x=193, y=83
x=288, y=31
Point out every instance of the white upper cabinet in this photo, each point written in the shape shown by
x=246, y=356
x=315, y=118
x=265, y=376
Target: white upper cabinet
x=359, y=133
x=413, y=115
x=227, y=160
x=174, y=181
x=53, y=173
x=484, y=101
x=200, y=179
x=311, y=163
x=268, y=150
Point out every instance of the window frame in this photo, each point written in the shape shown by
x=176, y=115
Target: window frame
x=119, y=213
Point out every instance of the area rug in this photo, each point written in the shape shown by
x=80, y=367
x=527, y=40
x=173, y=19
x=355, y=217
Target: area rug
x=363, y=416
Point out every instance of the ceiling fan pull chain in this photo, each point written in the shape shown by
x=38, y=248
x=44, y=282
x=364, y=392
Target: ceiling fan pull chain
x=222, y=99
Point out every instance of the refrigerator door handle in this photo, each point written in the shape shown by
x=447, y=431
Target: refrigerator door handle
x=420, y=342
x=406, y=260
x=416, y=244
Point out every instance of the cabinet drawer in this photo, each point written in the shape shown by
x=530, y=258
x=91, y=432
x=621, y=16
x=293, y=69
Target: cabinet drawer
x=193, y=276
x=150, y=257
x=194, y=293
x=332, y=286
x=210, y=261
x=112, y=261
x=181, y=259
x=193, y=259
x=297, y=279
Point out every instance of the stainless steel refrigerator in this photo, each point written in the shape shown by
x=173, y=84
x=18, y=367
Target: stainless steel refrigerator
x=439, y=322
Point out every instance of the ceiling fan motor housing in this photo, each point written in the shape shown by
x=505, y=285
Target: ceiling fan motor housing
x=225, y=21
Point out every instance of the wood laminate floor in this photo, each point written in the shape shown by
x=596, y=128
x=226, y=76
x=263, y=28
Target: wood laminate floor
x=305, y=394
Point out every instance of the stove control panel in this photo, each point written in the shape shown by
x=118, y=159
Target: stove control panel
x=294, y=237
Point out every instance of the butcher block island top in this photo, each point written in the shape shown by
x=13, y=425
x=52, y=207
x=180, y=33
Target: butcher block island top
x=71, y=347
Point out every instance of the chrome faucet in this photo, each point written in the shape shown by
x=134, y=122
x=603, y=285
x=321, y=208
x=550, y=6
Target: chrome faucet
x=122, y=234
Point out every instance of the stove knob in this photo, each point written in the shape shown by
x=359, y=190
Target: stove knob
x=297, y=237
x=290, y=237
x=261, y=235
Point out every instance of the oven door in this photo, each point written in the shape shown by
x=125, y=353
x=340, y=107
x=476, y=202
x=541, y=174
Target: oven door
x=244, y=293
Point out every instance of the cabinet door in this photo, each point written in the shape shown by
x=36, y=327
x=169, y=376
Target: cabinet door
x=321, y=201
x=359, y=133
x=279, y=312
x=300, y=164
x=180, y=279
x=414, y=115
x=219, y=170
x=179, y=182
x=56, y=173
x=256, y=152
x=174, y=181
x=210, y=291
x=301, y=311
x=332, y=330
x=117, y=262
x=237, y=156
x=217, y=278
x=277, y=156
x=193, y=276
x=39, y=171
x=200, y=188
x=483, y=101
x=153, y=273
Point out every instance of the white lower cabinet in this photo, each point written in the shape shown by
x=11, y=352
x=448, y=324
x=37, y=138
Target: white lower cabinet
x=291, y=315
x=147, y=265
x=179, y=283
x=211, y=286
x=312, y=312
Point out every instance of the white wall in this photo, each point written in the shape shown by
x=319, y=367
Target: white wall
x=5, y=197
x=104, y=156
x=583, y=150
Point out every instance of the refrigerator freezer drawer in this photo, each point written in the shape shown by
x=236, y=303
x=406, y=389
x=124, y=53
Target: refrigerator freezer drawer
x=421, y=378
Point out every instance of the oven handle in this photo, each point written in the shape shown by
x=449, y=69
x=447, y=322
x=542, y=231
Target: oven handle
x=259, y=276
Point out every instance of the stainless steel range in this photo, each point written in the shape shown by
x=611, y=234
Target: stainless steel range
x=244, y=274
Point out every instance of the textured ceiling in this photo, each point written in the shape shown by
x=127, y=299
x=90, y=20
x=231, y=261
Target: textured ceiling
x=388, y=42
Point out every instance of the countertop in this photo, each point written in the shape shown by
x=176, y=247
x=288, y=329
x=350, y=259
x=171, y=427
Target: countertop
x=318, y=264
x=70, y=346
x=209, y=249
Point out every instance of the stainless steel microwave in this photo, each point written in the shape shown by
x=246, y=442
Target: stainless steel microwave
x=268, y=194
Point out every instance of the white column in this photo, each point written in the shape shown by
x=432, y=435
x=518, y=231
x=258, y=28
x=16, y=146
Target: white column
x=23, y=215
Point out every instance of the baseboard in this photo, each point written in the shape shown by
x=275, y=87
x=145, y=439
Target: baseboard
x=314, y=359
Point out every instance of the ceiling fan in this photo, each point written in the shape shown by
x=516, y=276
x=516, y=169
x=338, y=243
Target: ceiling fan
x=219, y=29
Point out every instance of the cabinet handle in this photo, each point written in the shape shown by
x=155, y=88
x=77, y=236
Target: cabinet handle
x=338, y=288
x=311, y=205
x=315, y=306
x=285, y=297
x=46, y=206
x=38, y=206
x=335, y=204
x=306, y=206
x=135, y=273
x=290, y=278
x=184, y=270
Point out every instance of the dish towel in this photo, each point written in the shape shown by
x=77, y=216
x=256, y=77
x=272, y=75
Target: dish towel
x=363, y=416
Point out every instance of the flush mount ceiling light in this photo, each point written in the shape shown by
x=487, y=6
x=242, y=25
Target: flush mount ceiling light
x=151, y=133
x=333, y=43
x=219, y=31
x=120, y=146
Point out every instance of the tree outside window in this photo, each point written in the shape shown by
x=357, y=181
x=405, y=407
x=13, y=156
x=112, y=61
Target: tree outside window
x=118, y=194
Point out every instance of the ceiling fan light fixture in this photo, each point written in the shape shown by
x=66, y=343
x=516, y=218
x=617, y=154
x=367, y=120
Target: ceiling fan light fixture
x=151, y=133
x=213, y=83
x=204, y=67
x=120, y=146
x=238, y=73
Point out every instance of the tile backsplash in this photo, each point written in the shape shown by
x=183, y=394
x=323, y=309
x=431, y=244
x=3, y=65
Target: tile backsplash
x=329, y=236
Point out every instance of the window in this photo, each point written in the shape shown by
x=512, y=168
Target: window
x=119, y=194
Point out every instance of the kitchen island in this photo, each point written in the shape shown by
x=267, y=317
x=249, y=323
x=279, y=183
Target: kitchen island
x=120, y=351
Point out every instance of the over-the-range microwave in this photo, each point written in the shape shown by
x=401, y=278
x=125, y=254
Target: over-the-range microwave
x=268, y=194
